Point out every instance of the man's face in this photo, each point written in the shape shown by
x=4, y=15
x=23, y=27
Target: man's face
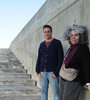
x=47, y=33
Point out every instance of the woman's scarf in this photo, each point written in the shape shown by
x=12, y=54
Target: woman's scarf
x=70, y=53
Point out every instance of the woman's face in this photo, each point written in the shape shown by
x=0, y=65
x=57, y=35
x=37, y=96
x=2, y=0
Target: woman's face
x=74, y=38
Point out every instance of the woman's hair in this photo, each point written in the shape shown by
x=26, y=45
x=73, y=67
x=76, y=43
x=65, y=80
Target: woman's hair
x=79, y=29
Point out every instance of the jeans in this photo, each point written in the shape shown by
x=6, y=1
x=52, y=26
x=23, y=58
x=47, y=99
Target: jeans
x=54, y=83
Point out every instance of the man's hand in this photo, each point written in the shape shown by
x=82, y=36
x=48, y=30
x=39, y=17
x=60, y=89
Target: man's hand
x=89, y=88
x=40, y=76
x=53, y=76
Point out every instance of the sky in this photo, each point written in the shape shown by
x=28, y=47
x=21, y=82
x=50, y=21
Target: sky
x=14, y=15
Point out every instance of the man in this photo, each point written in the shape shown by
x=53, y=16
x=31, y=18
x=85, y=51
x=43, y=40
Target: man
x=50, y=59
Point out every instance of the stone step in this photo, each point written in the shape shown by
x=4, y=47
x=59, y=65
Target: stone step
x=22, y=97
x=13, y=71
x=6, y=63
x=15, y=82
x=18, y=90
x=15, y=75
x=19, y=82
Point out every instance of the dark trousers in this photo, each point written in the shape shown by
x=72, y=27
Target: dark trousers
x=69, y=90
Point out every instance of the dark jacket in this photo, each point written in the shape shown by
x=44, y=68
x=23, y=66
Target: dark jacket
x=81, y=62
x=50, y=58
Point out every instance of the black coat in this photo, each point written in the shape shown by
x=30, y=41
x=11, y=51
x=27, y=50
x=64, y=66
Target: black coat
x=81, y=62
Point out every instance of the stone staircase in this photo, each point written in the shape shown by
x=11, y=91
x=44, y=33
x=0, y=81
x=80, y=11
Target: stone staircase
x=15, y=82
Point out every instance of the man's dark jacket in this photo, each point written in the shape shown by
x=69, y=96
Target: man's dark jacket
x=50, y=57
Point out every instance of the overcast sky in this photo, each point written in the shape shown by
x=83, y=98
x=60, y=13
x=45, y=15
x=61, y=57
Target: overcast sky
x=14, y=15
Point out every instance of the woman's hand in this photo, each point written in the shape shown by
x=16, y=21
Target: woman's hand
x=40, y=76
x=89, y=88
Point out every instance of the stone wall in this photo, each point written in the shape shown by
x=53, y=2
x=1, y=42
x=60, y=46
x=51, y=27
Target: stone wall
x=59, y=14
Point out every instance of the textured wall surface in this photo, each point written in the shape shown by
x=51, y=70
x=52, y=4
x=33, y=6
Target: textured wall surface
x=59, y=14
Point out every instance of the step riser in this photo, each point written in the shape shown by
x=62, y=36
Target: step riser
x=14, y=76
x=21, y=98
x=13, y=83
x=17, y=92
x=27, y=77
x=13, y=71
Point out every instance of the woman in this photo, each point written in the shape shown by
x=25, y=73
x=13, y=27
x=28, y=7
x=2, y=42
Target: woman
x=76, y=69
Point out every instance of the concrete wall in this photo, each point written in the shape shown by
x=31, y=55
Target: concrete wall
x=59, y=14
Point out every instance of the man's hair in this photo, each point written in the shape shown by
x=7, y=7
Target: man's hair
x=47, y=26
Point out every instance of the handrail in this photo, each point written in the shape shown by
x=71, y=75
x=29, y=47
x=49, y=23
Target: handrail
x=25, y=51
